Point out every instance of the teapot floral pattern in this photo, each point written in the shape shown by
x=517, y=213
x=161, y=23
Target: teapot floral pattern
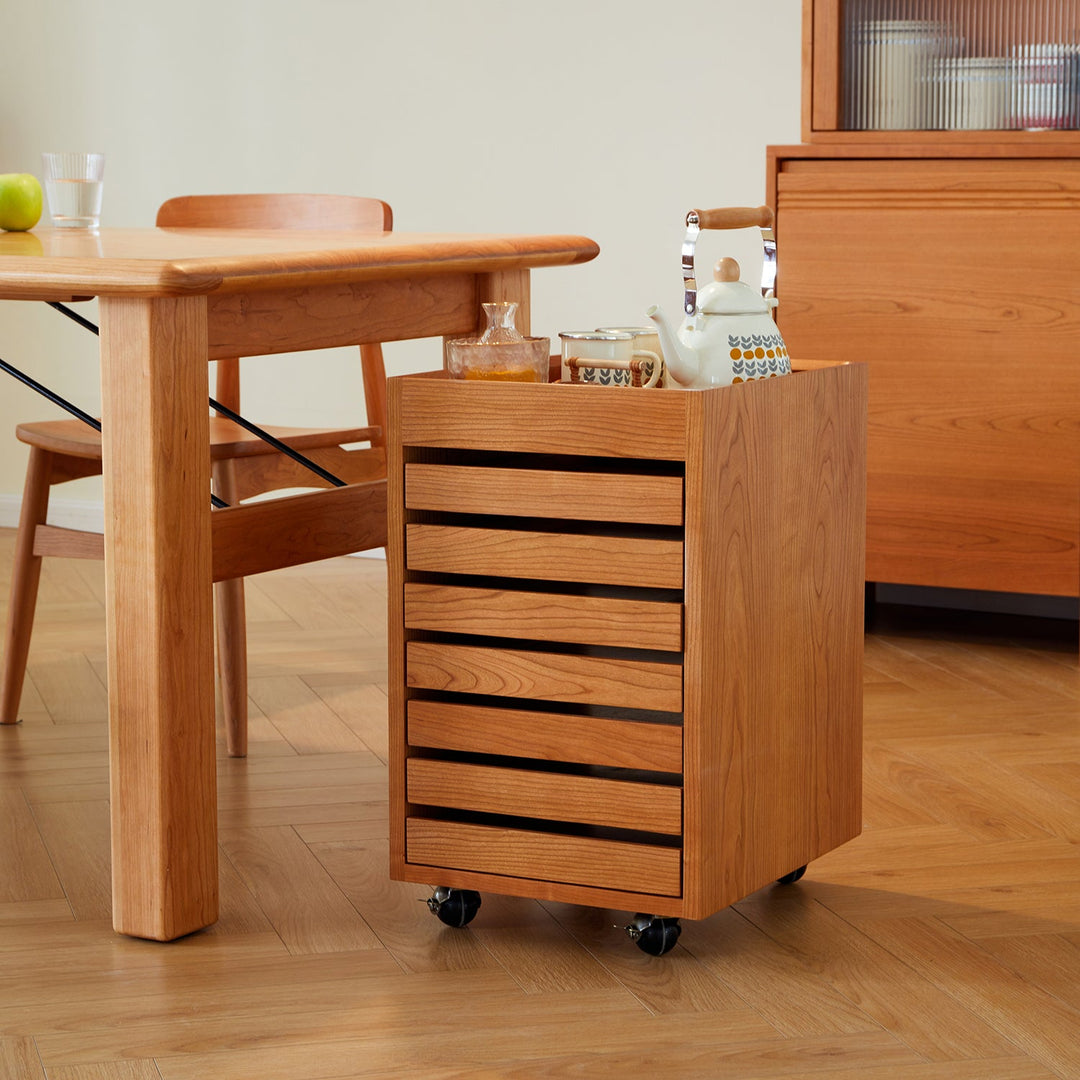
x=758, y=356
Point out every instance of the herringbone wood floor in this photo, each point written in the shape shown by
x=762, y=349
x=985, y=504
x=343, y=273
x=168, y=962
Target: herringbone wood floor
x=943, y=944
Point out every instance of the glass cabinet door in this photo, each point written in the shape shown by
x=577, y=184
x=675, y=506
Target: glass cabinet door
x=954, y=65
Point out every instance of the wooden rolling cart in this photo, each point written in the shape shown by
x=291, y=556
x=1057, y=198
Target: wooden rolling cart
x=625, y=639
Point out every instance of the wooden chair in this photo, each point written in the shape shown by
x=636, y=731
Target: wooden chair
x=242, y=464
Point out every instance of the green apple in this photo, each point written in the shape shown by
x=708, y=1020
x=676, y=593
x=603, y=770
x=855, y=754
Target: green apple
x=20, y=201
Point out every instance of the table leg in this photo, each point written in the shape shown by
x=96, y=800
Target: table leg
x=160, y=615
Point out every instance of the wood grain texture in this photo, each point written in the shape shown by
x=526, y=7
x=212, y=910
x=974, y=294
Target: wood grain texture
x=773, y=551
x=343, y=313
x=933, y=951
x=588, y=800
x=19, y=1059
x=272, y=210
x=173, y=262
x=588, y=740
x=592, y=680
x=546, y=856
x=773, y=629
x=24, y=583
x=571, y=420
x=972, y=470
x=510, y=613
x=546, y=556
x=268, y=535
x=156, y=476
x=639, y=498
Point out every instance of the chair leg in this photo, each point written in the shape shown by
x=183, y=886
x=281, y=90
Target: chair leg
x=231, y=621
x=25, y=576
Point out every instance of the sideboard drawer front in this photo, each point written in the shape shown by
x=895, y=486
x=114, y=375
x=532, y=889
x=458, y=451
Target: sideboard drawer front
x=522, y=853
x=466, y=489
x=544, y=736
x=591, y=680
x=513, y=613
x=551, y=796
x=545, y=556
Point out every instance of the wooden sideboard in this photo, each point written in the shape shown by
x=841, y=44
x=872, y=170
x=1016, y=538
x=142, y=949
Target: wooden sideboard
x=949, y=262
x=957, y=279
x=625, y=636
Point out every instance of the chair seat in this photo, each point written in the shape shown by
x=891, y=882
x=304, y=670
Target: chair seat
x=227, y=439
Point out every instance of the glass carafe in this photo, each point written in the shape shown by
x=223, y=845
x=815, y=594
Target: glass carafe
x=501, y=353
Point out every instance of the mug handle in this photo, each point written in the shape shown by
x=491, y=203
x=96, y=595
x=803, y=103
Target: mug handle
x=657, y=367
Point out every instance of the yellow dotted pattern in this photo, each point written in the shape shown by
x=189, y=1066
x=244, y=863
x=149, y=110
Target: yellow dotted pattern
x=779, y=352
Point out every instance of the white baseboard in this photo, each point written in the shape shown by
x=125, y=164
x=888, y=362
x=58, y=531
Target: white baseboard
x=66, y=513
x=89, y=515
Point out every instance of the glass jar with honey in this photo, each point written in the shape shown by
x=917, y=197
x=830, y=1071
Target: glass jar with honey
x=501, y=352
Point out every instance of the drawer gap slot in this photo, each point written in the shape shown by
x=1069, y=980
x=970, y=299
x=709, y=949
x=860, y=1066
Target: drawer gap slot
x=562, y=708
x=556, y=768
x=488, y=459
x=540, y=825
x=554, y=588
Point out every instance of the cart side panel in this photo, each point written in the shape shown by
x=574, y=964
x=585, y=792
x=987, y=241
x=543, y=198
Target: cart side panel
x=775, y=512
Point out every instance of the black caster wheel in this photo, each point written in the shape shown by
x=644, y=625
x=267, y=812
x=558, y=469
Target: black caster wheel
x=455, y=907
x=790, y=879
x=653, y=935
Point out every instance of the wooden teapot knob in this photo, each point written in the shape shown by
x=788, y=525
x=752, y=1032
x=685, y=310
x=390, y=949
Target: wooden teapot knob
x=727, y=269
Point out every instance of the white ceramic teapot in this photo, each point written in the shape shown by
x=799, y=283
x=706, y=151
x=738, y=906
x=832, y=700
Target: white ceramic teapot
x=728, y=335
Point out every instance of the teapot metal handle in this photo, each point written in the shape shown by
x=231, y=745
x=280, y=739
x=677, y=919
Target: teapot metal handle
x=731, y=217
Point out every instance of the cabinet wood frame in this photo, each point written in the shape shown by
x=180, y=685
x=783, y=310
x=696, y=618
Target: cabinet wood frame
x=773, y=476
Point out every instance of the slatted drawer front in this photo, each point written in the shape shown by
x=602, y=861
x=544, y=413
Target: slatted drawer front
x=545, y=556
x=515, y=613
x=578, y=860
x=587, y=800
x=543, y=736
x=545, y=493
x=554, y=676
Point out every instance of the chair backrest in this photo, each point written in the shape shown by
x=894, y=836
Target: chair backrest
x=275, y=212
x=288, y=211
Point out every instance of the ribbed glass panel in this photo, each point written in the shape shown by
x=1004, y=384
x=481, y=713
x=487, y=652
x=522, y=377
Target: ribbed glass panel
x=953, y=65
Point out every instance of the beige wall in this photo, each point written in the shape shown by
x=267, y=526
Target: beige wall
x=605, y=117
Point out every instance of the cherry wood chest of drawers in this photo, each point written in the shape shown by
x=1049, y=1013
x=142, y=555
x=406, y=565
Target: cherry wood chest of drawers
x=625, y=636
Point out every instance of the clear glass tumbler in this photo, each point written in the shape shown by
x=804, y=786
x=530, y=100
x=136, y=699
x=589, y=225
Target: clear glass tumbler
x=73, y=185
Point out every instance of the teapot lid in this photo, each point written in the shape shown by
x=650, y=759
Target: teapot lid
x=727, y=295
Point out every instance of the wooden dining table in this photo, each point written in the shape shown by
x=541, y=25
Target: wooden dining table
x=170, y=300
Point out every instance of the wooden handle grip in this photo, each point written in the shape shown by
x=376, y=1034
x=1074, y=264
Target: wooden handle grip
x=735, y=217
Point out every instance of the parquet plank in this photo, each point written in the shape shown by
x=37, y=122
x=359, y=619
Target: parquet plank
x=77, y=837
x=772, y=980
x=680, y=984
x=302, y=717
x=1007, y=671
x=68, y=684
x=33, y=911
x=535, y=950
x=1049, y=961
x=28, y=871
x=926, y=1018
x=892, y=657
x=317, y=918
x=612, y=1047
x=19, y=1059
x=947, y=795
x=700, y=1067
x=1043, y=1026
x=360, y=704
x=396, y=913
x=108, y=1070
